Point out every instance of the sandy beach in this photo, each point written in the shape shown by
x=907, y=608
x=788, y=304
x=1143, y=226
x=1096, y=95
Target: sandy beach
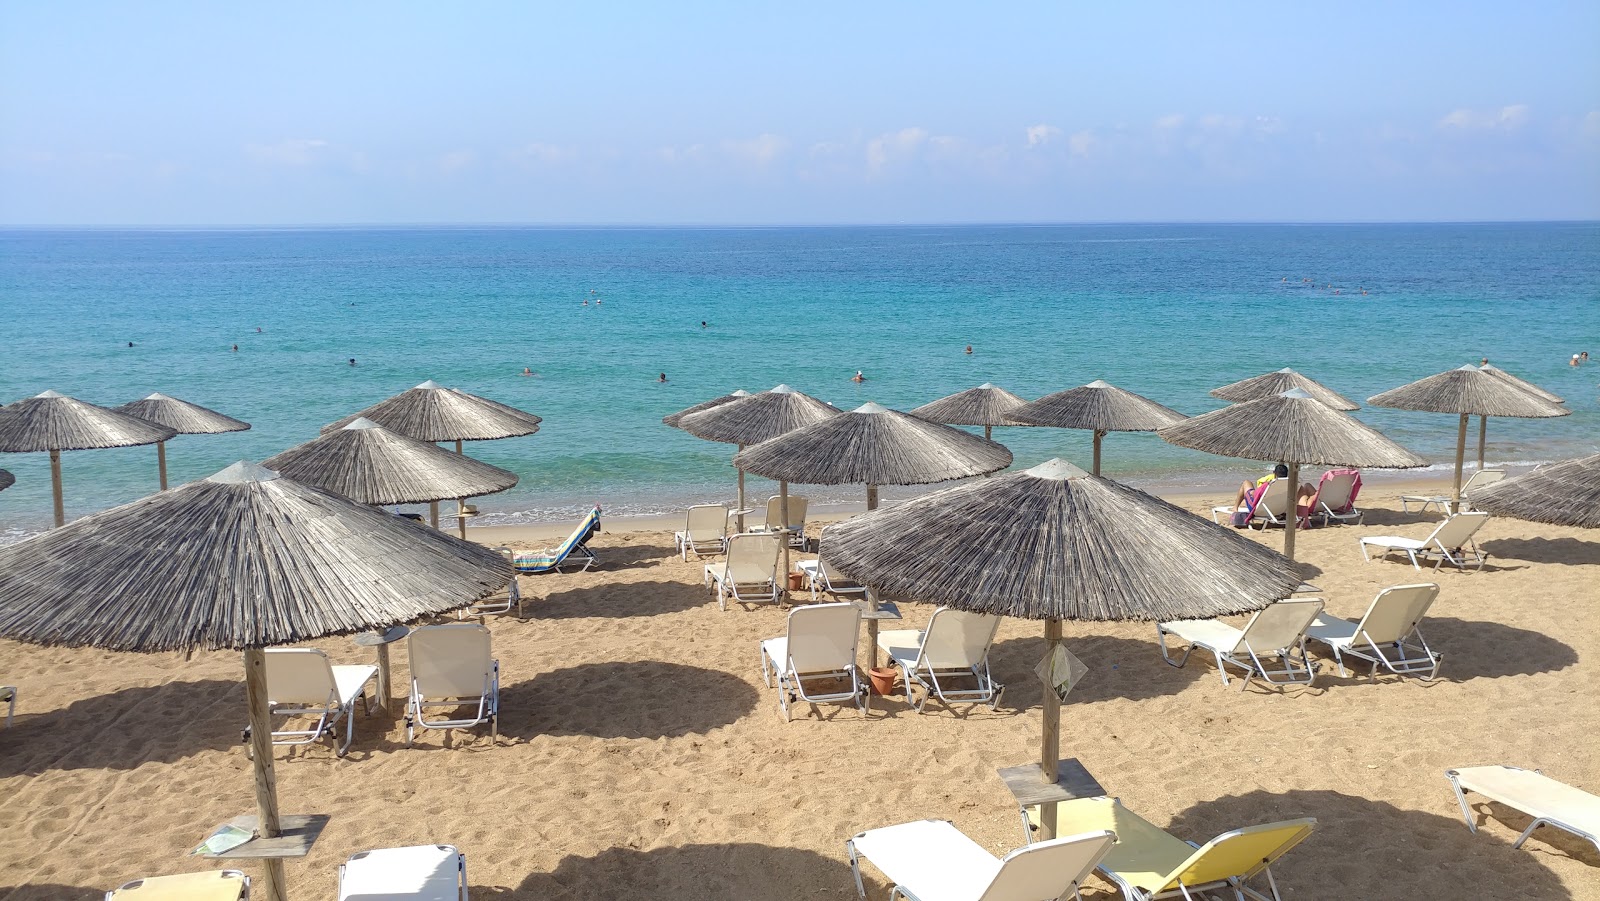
x=640, y=754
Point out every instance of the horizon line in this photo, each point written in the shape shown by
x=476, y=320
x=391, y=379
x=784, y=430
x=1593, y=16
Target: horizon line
x=708, y=226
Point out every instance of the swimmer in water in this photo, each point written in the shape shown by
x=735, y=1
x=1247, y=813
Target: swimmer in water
x=527, y=371
x=352, y=361
x=258, y=329
x=236, y=348
x=702, y=323
x=858, y=377
x=662, y=377
x=1574, y=356
x=969, y=348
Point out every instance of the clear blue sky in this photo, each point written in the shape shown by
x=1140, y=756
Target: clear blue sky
x=748, y=112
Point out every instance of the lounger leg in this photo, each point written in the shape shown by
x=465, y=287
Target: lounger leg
x=1161, y=638
x=1528, y=831
x=1461, y=798
x=855, y=866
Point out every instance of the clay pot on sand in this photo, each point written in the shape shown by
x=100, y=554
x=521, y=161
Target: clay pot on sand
x=883, y=679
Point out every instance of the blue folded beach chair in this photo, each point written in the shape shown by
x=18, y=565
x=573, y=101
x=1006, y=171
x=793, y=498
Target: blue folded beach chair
x=572, y=552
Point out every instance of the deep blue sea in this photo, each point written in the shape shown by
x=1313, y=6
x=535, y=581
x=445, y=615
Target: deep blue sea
x=1168, y=311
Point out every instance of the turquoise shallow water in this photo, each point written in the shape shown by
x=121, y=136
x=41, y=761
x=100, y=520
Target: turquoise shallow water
x=1169, y=311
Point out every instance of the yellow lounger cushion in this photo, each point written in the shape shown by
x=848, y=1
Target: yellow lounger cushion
x=213, y=886
x=1151, y=859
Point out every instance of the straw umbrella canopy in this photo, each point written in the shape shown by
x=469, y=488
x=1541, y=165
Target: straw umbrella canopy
x=243, y=560
x=872, y=445
x=431, y=412
x=1273, y=384
x=1531, y=388
x=754, y=419
x=182, y=417
x=6, y=479
x=672, y=418
x=1055, y=543
x=54, y=422
x=371, y=465
x=985, y=405
x=1561, y=494
x=1293, y=428
x=1100, y=407
x=1467, y=392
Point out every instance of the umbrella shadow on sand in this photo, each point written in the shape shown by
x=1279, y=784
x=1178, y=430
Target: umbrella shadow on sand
x=631, y=600
x=45, y=892
x=1384, y=851
x=732, y=871
x=1478, y=649
x=1564, y=551
x=174, y=721
x=1124, y=668
x=639, y=699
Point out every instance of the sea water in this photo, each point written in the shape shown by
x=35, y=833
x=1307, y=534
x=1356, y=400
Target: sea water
x=598, y=315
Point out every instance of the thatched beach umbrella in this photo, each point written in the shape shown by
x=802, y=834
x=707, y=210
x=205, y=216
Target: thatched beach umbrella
x=1561, y=494
x=369, y=464
x=431, y=412
x=1097, y=406
x=1055, y=543
x=182, y=417
x=54, y=422
x=243, y=560
x=984, y=405
x=6, y=479
x=1524, y=384
x=1467, y=392
x=1293, y=428
x=872, y=445
x=754, y=419
x=672, y=418
x=1273, y=384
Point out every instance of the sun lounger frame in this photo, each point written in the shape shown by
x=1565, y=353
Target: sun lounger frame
x=1432, y=548
x=488, y=701
x=719, y=577
x=1483, y=478
x=934, y=850
x=1295, y=667
x=328, y=714
x=1404, y=657
x=132, y=887
x=917, y=669
x=792, y=681
x=1539, y=818
x=688, y=538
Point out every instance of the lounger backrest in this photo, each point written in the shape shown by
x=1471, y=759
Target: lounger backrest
x=1241, y=853
x=957, y=639
x=1048, y=869
x=706, y=522
x=1457, y=530
x=797, y=511
x=1274, y=500
x=1483, y=478
x=753, y=557
x=450, y=661
x=586, y=527
x=1279, y=626
x=1396, y=611
x=1336, y=488
x=300, y=676
x=822, y=637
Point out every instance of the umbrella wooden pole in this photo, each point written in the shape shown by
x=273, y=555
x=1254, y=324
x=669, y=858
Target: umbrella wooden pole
x=987, y=436
x=783, y=538
x=55, y=486
x=872, y=593
x=1483, y=434
x=433, y=513
x=1050, y=745
x=739, y=522
x=1099, y=434
x=461, y=503
x=1461, y=453
x=267, y=824
x=161, y=462
x=1293, y=518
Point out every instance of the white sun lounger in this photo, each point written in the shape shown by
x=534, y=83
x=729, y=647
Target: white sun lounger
x=1483, y=478
x=1332, y=502
x=1270, y=510
x=218, y=885
x=1389, y=634
x=498, y=602
x=931, y=860
x=303, y=682
x=954, y=649
x=1449, y=542
x=749, y=574
x=1549, y=802
x=704, y=532
x=820, y=647
x=1278, y=631
x=452, y=667
x=795, y=530
x=417, y=873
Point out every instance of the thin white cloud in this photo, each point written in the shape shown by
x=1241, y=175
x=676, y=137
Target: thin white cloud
x=1039, y=135
x=457, y=160
x=1506, y=118
x=1082, y=143
x=291, y=152
x=886, y=148
x=760, y=150
x=538, y=154
x=1168, y=123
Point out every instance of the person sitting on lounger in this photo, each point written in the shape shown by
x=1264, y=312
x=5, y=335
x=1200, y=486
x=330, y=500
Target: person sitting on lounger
x=1302, y=495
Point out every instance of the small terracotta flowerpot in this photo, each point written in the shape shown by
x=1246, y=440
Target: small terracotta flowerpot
x=883, y=680
x=797, y=581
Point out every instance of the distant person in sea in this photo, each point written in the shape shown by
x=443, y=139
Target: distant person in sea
x=352, y=361
x=527, y=371
x=969, y=349
x=662, y=377
x=586, y=301
x=858, y=377
x=258, y=329
x=1485, y=362
x=702, y=323
x=1575, y=357
x=1303, y=494
x=1583, y=357
x=236, y=348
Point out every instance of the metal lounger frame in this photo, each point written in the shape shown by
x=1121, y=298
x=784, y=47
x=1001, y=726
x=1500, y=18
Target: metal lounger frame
x=488, y=708
x=1466, y=812
x=1296, y=667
